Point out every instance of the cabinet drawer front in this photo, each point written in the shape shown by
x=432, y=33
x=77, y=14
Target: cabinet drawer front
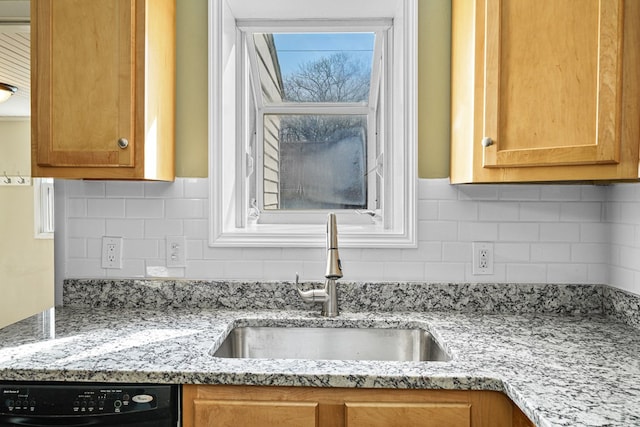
x=379, y=414
x=221, y=413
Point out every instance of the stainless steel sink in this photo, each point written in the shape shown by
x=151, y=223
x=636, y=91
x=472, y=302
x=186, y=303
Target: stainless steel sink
x=331, y=344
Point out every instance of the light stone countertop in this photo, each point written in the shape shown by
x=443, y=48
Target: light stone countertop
x=561, y=370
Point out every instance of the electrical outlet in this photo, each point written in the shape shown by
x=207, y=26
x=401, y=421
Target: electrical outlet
x=176, y=251
x=482, y=258
x=111, y=252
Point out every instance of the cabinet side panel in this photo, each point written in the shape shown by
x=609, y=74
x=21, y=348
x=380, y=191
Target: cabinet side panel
x=159, y=89
x=462, y=90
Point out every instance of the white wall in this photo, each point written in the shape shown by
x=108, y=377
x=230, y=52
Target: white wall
x=542, y=234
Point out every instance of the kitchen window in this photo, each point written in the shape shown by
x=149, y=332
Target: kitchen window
x=312, y=111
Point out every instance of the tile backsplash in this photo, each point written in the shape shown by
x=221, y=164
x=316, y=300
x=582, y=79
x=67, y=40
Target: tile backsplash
x=541, y=234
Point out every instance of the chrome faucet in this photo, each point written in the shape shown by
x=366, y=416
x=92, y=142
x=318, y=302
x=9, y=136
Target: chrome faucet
x=329, y=295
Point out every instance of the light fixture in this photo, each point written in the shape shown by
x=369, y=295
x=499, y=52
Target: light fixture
x=6, y=90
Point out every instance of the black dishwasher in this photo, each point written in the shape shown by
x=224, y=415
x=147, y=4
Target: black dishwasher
x=88, y=404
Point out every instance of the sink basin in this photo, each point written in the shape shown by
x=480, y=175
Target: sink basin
x=331, y=344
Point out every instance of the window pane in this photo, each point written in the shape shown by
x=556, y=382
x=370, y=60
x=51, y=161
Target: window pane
x=315, y=67
x=321, y=162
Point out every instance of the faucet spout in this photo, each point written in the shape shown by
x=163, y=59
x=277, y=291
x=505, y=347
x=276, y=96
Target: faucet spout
x=328, y=296
x=334, y=266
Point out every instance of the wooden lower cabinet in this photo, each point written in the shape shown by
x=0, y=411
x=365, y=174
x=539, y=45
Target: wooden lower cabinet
x=249, y=406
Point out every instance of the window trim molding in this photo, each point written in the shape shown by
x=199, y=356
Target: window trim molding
x=223, y=178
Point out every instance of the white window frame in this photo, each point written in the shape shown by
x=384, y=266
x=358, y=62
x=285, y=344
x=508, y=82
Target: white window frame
x=228, y=165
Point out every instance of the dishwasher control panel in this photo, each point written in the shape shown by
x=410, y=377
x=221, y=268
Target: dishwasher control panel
x=75, y=399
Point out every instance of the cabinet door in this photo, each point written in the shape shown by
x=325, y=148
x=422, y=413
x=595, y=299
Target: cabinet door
x=84, y=82
x=221, y=413
x=397, y=414
x=553, y=82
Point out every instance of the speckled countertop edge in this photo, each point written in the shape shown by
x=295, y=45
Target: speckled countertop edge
x=560, y=370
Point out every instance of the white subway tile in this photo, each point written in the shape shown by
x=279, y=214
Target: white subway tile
x=282, y=270
x=519, y=192
x=589, y=252
x=539, y=211
x=127, y=228
x=105, y=208
x=581, y=212
x=82, y=188
x=222, y=253
x=196, y=188
x=141, y=249
x=526, y=273
x=76, y=208
x=144, y=208
x=196, y=229
x=437, y=230
x=358, y=271
x=131, y=268
x=304, y=254
x=427, y=209
x=629, y=258
x=478, y=192
x=477, y=232
x=598, y=273
x=436, y=189
x=426, y=251
x=124, y=189
x=594, y=193
x=456, y=252
x=85, y=227
x=512, y=252
x=383, y=255
x=444, y=272
x=622, y=192
x=595, y=232
x=164, y=190
x=518, y=232
x=612, y=212
x=499, y=274
x=630, y=213
x=160, y=228
x=561, y=192
x=551, y=252
x=567, y=273
x=261, y=254
x=77, y=248
x=195, y=249
x=457, y=211
x=205, y=270
x=84, y=268
x=185, y=208
x=244, y=270
x=499, y=211
x=403, y=271
x=94, y=248
x=559, y=232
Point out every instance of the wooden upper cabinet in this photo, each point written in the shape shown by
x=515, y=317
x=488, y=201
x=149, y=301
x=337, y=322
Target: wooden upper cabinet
x=545, y=90
x=103, y=89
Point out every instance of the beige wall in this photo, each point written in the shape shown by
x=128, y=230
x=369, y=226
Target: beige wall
x=433, y=104
x=26, y=263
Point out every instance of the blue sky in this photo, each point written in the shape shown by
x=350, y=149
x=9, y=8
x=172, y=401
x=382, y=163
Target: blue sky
x=294, y=49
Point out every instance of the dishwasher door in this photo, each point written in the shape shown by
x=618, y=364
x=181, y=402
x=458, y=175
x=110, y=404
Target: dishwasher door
x=76, y=404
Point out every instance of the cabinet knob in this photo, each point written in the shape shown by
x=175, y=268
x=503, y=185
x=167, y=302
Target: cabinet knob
x=123, y=143
x=486, y=141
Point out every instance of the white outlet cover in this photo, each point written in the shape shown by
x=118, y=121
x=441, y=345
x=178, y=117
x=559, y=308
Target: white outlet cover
x=477, y=261
x=176, y=251
x=111, y=252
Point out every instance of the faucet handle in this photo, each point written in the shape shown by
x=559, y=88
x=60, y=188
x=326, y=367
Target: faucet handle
x=311, y=296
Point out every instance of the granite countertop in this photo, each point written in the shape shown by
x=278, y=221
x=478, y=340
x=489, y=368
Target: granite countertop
x=580, y=370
